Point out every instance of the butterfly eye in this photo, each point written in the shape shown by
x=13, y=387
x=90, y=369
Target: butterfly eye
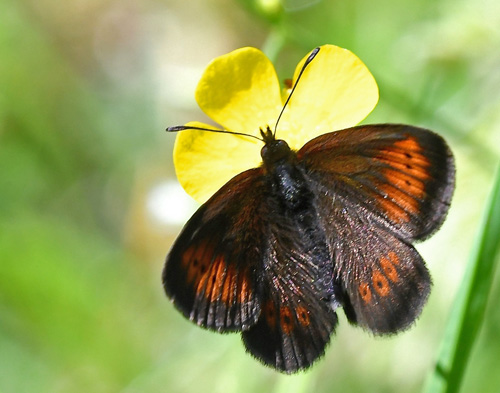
x=274, y=151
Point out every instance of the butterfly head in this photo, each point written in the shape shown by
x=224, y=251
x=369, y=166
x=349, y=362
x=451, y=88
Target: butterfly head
x=274, y=150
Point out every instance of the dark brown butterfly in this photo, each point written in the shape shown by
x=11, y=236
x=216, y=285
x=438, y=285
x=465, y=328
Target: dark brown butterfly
x=279, y=248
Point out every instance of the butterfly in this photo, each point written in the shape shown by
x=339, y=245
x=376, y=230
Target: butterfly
x=279, y=248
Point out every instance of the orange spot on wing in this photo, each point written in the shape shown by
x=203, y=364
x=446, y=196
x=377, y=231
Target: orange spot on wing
x=365, y=292
x=302, y=316
x=286, y=320
x=380, y=283
x=389, y=269
x=270, y=314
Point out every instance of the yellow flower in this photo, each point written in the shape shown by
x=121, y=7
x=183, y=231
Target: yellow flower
x=241, y=92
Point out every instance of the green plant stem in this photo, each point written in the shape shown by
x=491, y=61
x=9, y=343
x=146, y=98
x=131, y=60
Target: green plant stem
x=274, y=43
x=469, y=308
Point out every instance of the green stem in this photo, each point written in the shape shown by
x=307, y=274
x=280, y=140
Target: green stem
x=469, y=308
x=274, y=43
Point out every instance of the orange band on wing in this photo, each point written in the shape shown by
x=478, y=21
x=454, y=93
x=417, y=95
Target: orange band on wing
x=411, y=150
x=244, y=288
x=215, y=280
x=394, y=212
x=212, y=277
x=229, y=287
x=406, y=156
x=405, y=182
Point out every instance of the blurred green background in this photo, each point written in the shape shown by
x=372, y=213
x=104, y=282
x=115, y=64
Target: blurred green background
x=89, y=204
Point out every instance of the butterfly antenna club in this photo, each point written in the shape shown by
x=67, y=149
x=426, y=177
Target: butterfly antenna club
x=306, y=63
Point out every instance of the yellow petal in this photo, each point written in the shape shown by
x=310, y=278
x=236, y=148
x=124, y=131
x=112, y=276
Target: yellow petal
x=204, y=161
x=240, y=91
x=336, y=91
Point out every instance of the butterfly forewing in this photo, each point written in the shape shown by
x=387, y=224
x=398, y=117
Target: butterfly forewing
x=402, y=175
x=210, y=272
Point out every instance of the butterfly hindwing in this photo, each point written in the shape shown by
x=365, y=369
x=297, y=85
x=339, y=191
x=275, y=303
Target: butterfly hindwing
x=210, y=272
x=402, y=176
x=296, y=319
x=292, y=332
x=388, y=294
x=384, y=280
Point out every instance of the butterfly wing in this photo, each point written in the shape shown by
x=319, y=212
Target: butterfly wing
x=401, y=176
x=243, y=263
x=297, y=319
x=379, y=188
x=384, y=282
x=210, y=271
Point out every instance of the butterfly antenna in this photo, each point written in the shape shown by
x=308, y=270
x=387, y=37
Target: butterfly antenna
x=306, y=63
x=182, y=128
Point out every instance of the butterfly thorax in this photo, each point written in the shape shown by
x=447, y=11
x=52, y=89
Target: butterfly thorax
x=292, y=203
x=286, y=180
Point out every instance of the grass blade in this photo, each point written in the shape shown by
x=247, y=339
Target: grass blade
x=468, y=311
